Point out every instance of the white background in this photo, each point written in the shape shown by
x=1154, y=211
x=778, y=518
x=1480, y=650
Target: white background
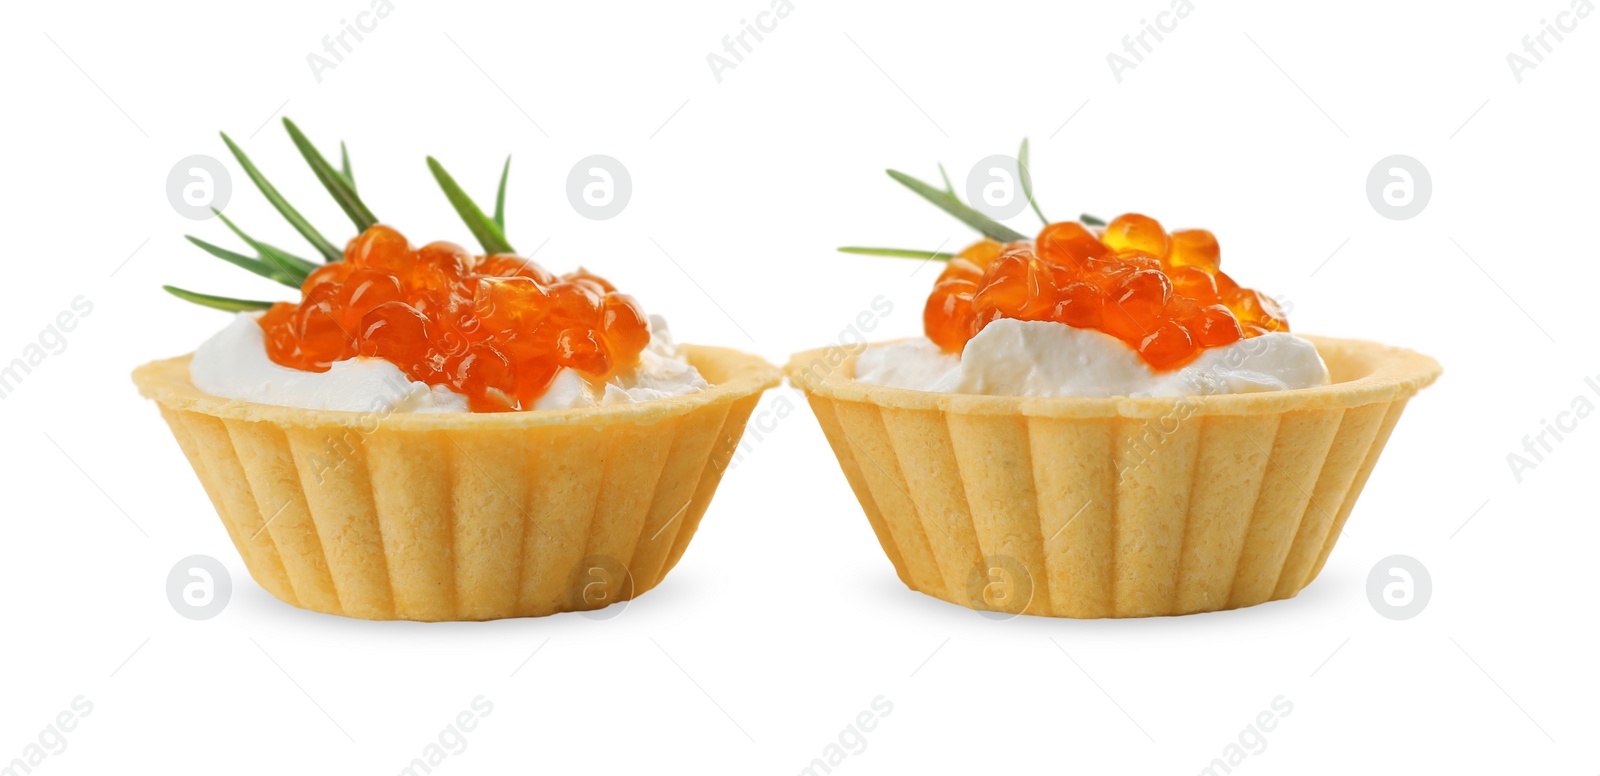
x=784, y=619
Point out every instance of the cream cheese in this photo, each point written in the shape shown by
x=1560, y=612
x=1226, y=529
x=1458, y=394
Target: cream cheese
x=234, y=364
x=1044, y=358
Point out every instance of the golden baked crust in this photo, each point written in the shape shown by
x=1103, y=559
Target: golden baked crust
x=1113, y=507
x=461, y=516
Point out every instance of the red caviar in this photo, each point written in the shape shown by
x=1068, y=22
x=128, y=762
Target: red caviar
x=493, y=328
x=1162, y=294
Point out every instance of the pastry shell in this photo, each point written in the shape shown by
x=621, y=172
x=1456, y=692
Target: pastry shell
x=1113, y=507
x=463, y=516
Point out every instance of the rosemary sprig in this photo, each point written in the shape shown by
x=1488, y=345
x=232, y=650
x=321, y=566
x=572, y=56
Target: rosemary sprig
x=289, y=263
x=500, y=198
x=898, y=253
x=332, y=180
x=257, y=266
x=1027, y=181
x=489, y=233
x=283, y=267
x=948, y=202
x=225, y=303
x=306, y=230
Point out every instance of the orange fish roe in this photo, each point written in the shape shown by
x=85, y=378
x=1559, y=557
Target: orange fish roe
x=493, y=328
x=1162, y=294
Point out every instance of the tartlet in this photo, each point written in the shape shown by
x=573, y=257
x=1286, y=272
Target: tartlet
x=468, y=516
x=549, y=449
x=1237, y=503
x=1130, y=498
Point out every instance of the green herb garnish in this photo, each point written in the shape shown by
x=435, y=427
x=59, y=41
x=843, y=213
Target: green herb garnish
x=284, y=267
x=344, y=166
x=489, y=233
x=257, y=266
x=947, y=201
x=1027, y=181
x=899, y=253
x=283, y=260
x=225, y=303
x=306, y=230
x=500, y=197
x=336, y=182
